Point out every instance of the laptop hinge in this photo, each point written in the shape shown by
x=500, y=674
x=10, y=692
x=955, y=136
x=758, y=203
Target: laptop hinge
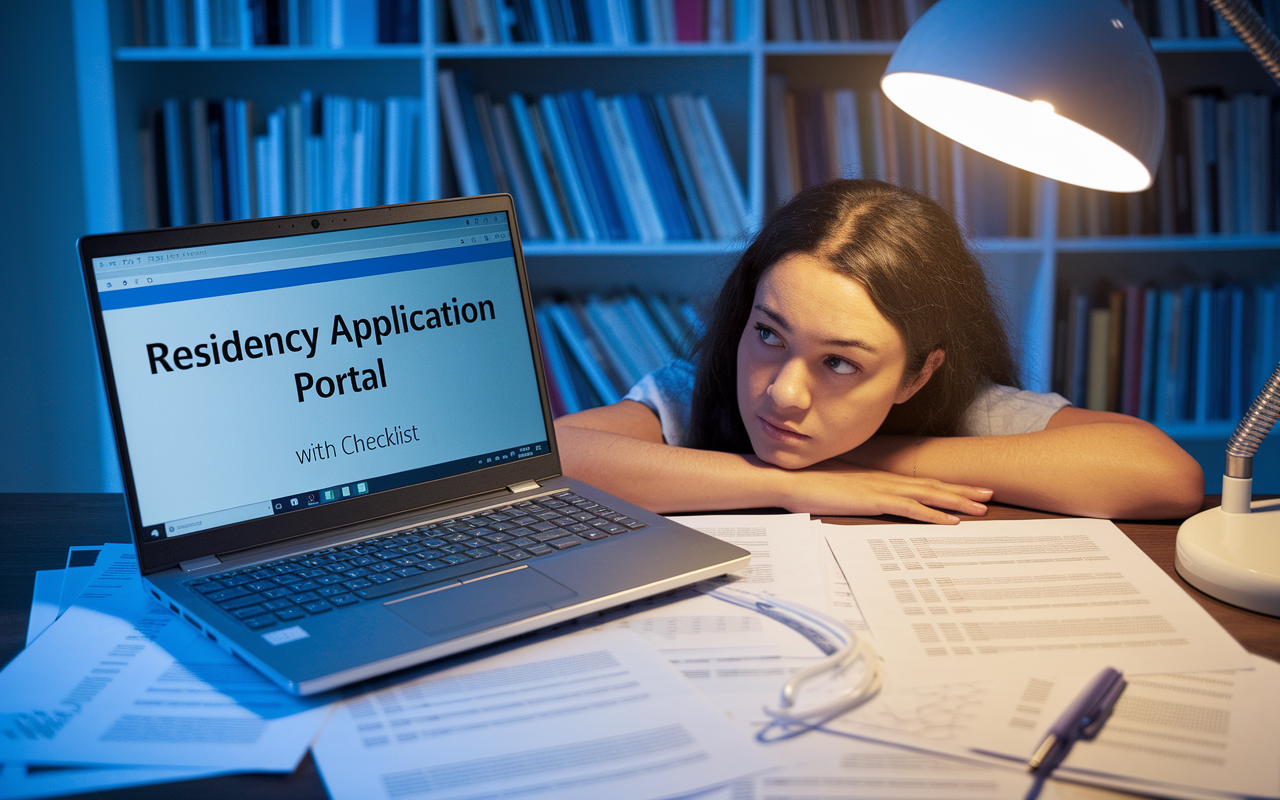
x=527, y=486
x=199, y=563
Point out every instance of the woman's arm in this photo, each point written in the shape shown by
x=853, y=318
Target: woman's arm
x=619, y=448
x=1084, y=463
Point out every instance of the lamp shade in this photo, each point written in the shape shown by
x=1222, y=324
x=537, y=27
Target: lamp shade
x=1068, y=89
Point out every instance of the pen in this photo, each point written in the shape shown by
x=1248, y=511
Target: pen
x=1081, y=720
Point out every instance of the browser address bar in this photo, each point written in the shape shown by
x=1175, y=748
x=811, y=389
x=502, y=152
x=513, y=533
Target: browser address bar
x=175, y=266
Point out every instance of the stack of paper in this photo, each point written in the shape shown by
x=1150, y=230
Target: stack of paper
x=988, y=630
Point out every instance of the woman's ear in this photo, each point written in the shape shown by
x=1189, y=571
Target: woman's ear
x=931, y=365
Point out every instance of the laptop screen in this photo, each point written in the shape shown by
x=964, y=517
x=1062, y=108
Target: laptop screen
x=268, y=377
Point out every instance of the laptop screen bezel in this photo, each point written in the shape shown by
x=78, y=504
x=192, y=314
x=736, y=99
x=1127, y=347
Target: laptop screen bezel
x=159, y=554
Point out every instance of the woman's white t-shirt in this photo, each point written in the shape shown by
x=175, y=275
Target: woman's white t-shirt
x=996, y=411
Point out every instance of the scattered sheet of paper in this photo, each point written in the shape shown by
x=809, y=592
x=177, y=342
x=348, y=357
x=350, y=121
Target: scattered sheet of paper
x=1214, y=730
x=118, y=679
x=587, y=716
x=44, y=602
x=786, y=557
x=1058, y=596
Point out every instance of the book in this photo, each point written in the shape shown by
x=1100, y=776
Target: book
x=455, y=129
x=1165, y=403
x=566, y=166
x=588, y=110
x=621, y=146
x=657, y=167
x=523, y=193
x=586, y=352
x=1132, y=366
x=546, y=160
x=1099, y=349
x=1147, y=393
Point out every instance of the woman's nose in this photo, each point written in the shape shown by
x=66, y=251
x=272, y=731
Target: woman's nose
x=790, y=387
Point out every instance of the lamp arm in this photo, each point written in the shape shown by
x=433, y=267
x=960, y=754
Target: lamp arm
x=1254, y=428
x=1244, y=20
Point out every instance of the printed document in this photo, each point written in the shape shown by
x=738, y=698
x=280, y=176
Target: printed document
x=118, y=679
x=1023, y=597
x=1212, y=730
x=586, y=716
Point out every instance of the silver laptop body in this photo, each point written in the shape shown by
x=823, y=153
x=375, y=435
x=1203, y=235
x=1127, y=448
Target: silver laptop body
x=336, y=441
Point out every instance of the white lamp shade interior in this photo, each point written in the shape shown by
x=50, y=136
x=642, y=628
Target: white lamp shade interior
x=1027, y=134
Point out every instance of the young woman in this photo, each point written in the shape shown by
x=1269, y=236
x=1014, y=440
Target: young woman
x=855, y=364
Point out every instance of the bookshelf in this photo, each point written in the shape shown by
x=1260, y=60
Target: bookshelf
x=120, y=81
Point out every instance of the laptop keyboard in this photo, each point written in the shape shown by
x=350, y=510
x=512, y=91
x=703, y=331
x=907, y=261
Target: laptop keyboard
x=335, y=577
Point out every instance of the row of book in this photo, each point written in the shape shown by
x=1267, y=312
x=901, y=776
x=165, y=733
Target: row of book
x=1191, y=353
x=614, y=22
x=596, y=348
x=1219, y=173
x=587, y=168
x=250, y=23
x=820, y=134
x=203, y=160
x=841, y=20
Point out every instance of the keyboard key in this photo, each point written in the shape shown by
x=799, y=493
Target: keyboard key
x=210, y=587
x=328, y=580
x=332, y=591
x=358, y=583
x=478, y=552
x=260, y=586
x=565, y=543
x=237, y=580
x=542, y=525
x=539, y=549
x=523, y=541
x=381, y=566
x=305, y=597
x=286, y=579
x=593, y=534
x=612, y=528
x=358, y=572
x=288, y=614
x=405, y=572
x=264, y=621
x=249, y=611
x=228, y=594
x=579, y=527
x=273, y=594
x=382, y=577
x=515, y=555
x=344, y=600
x=318, y=607
x=433, y=564
x=634, y=524
x=455, y=558
x=276, y=605
x=304, y=586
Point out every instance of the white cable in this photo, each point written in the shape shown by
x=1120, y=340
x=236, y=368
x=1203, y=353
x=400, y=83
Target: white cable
x=843, y=649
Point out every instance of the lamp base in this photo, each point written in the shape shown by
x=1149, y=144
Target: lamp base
x=1234, y=557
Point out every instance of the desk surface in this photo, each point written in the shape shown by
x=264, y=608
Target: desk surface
x=37, y=529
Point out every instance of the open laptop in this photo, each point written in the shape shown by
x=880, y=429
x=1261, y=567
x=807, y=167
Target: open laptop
x=337, y=447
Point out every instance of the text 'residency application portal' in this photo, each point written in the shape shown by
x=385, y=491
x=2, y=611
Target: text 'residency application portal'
x=259, y=378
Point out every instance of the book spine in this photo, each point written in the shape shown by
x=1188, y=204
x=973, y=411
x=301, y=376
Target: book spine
x=201, y=161
x=456, y=134
x=537, y=168
x=622, y=147
x=724, y=164
x=517, y=171
x=688, y=187
x=567, y=166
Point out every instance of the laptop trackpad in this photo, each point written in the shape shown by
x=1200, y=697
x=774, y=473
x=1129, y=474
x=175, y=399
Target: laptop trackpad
x=505, y=597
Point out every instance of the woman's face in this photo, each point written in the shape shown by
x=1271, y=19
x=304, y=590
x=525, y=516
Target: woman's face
x=819, y=367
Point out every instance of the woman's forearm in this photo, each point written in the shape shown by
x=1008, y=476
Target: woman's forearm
x=663, y=478
x=1108, y=469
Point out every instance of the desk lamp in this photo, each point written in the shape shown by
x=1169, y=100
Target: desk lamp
x=1070, y=89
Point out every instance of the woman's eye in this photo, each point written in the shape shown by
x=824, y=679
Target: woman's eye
x=840, y=366
x=767, y=335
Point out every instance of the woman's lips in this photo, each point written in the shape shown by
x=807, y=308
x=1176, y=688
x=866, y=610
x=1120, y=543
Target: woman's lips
x=781, y=434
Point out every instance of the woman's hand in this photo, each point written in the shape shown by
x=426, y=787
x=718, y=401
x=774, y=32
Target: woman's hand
x=837, y=487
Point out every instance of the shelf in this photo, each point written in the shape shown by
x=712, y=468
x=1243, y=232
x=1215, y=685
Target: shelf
x=270, y=53
x=1180, y=243
x=1198, y=45
x=861, y=48
x=540, y=249
x=569, y=51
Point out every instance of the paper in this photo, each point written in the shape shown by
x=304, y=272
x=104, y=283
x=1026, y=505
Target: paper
x=118, y=680
x=839, y=768
x=587, y=716
x=1010, y=597
x=786, y=558
x=44, y=602
x=1215, y=730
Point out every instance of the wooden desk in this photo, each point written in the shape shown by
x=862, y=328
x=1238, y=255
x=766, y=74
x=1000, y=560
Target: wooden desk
x=37, y=529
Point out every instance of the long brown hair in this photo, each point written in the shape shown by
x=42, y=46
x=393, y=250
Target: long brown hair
x=911, y=257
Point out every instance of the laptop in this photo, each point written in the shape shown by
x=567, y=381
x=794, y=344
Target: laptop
x=336, y=441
